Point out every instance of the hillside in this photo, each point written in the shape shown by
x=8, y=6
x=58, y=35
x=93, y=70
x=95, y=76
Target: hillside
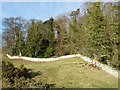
x=70, y=73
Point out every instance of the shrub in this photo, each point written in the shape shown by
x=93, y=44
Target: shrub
x=10, y=71
x=13, y=77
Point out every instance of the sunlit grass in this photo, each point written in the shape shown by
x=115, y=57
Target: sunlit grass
x=70, y=73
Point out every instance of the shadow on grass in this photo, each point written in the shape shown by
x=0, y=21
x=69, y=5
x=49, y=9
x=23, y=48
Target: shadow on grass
x=47, y=86
x=33, y=74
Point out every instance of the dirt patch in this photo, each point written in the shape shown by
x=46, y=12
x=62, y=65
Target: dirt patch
x=87, y=65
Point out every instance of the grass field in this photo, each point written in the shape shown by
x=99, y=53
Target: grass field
x=70, y=73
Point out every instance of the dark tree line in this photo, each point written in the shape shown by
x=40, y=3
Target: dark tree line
x=94, y=34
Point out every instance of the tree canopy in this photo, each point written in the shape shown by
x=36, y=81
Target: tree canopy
x=94, y=34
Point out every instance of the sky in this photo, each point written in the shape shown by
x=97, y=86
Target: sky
x=37, y=10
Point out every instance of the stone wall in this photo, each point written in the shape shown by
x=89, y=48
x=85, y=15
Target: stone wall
x=106, y=68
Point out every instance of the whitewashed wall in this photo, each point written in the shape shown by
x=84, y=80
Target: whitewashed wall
x=106, y=68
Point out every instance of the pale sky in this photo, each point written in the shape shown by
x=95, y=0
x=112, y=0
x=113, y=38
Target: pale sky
x=38, y=10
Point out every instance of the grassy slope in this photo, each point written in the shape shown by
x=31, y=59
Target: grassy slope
x=66, y=73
